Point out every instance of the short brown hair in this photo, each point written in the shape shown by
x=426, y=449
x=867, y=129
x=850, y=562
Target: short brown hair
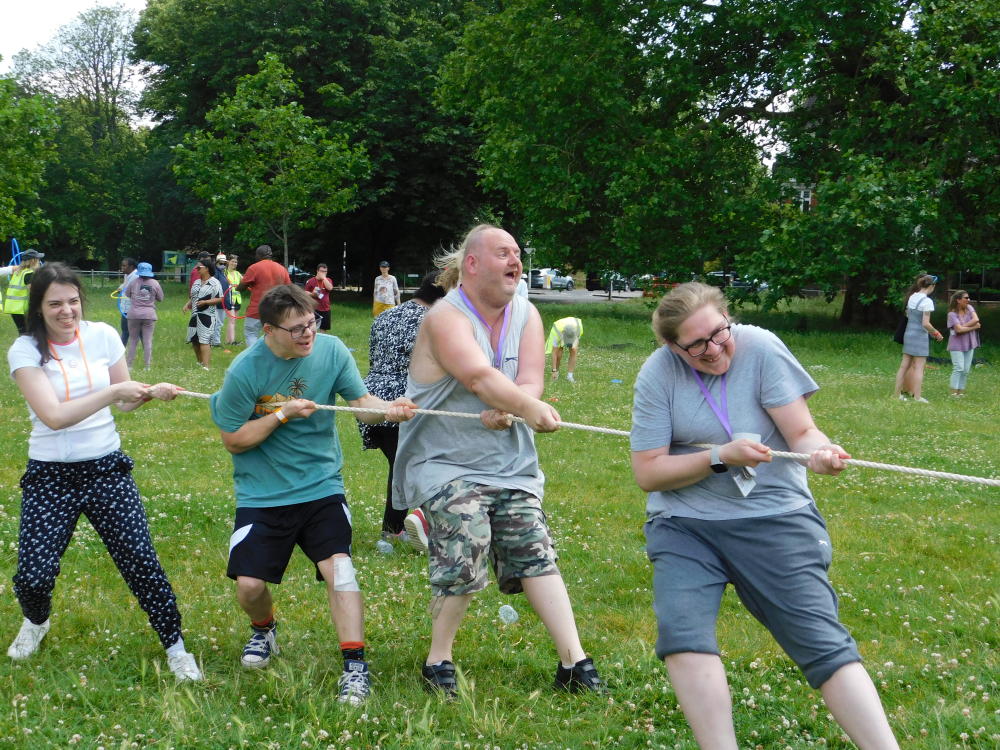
x=680, y=303
x=279, y=301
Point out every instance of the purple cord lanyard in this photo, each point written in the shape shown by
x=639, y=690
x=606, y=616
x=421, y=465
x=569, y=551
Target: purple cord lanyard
x=503, y=330
x=721, y=413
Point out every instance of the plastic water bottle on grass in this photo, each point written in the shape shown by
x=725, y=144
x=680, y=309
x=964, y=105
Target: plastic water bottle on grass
x=384, y=547
x=508, y=614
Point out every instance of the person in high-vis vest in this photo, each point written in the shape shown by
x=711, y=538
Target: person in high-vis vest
x=235, y=299
x=564, y=333
x=15, y=303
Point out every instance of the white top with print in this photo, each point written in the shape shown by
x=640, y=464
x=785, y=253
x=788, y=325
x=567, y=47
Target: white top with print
x=95, y=436
x=386, y=290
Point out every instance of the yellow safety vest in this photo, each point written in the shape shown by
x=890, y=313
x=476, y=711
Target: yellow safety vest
x=16, y=302
x=235, y=277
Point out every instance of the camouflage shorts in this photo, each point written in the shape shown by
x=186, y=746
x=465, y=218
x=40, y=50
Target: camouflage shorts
x=471, y=524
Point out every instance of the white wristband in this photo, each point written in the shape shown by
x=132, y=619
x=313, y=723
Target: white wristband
x=281, y=417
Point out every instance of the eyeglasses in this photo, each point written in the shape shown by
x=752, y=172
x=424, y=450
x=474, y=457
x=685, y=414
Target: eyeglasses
x=699, y=347
x=299, y=331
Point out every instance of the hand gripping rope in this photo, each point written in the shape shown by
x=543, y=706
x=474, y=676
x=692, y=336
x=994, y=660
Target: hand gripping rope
x=707, y=446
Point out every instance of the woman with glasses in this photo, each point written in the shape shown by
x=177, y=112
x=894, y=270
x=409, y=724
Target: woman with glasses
x=730, y=515
x=963, y=323
x=916, y=340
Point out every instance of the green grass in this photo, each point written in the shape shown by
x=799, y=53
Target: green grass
x=914, y=564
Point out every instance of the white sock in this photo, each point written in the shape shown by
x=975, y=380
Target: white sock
x=177, y=649
x=568, y=666
x=436, y=664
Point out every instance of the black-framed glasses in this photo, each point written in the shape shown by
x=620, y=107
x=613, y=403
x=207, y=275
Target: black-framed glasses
x=299, y=331
x=699, y=347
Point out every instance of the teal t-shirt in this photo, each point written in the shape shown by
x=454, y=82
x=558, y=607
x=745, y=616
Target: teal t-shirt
x=301, y=460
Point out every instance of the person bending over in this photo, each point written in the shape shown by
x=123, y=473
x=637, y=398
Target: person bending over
x=287, y=465
x=731, y=516
x=478, y=484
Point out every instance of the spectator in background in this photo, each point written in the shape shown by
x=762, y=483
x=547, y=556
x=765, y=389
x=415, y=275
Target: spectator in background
x=389, y=347
x=220, y=310
x=386, y=291
x=916, y=341
x=963, y=323
x=522, y=288
x=16, y=302
x=565, y=333
x=319, y=287
x=206, y=293
x=143, y=294
x=128, y=268
x=234, y=277
x=260, y=277
x=203, y=255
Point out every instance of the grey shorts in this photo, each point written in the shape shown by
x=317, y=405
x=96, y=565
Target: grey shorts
x=778, y=566
x=251, y=331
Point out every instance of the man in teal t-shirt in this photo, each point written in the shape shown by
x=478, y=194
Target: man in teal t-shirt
x=287, y=469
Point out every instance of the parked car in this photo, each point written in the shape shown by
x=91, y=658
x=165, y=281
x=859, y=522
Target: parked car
x=557, y=279
x=298, y=276
x=734, y=280
x=605, y=280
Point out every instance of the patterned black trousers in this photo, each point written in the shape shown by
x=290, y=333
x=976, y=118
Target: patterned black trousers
x=54, y=494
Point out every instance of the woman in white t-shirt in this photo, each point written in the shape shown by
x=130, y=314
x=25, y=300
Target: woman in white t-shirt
x=70, y=371
x=916, y=340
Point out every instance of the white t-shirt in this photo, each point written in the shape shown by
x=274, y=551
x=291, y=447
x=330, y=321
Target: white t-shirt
x=95, y=436
x=920, y=301
x=124, y=303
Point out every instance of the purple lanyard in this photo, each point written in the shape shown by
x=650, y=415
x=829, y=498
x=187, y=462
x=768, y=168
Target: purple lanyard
x=723, y=413
x=503, y=330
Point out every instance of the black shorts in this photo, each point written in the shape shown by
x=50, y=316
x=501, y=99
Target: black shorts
x=324, y=324
x=263, y=538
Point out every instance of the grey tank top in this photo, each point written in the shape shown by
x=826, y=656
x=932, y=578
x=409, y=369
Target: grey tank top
x=434, y=451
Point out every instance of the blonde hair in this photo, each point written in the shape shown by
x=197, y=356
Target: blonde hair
x=451, y=262
x=29, y=264
x=680, y=303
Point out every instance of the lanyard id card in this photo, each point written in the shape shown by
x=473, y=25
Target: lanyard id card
x=744, y=477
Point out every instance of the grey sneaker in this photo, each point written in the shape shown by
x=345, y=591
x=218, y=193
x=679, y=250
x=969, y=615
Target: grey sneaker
x=184, y=667
x=28, y=639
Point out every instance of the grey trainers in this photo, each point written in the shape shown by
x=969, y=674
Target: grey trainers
x=28, y=639
x=184, y=667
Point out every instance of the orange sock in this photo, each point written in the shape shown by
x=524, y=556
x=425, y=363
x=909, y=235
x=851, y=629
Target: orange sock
x=353, y=650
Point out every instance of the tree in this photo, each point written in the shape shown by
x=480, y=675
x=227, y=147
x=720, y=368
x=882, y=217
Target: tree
x=267, y=164
x=26, y=127
x=370, y=67
x=596, y=134
x=93, y=198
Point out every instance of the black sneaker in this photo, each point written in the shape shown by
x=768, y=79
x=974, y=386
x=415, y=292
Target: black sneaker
x=264, y=642
x=581, y=676
x=441, y=678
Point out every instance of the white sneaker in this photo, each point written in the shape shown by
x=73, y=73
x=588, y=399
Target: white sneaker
x=28, y=639
x=901, y=397
x=921, y=400
x=185, y=667
x=569, y=377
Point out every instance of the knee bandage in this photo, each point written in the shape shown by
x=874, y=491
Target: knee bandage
x=343, y=575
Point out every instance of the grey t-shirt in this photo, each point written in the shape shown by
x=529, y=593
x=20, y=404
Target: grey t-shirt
x=670, y=409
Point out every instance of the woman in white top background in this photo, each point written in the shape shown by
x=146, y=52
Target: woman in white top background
x=916, y=340
x=70, y=371
x=386, y=291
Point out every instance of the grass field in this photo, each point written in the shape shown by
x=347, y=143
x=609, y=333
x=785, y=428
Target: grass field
x=914, y=564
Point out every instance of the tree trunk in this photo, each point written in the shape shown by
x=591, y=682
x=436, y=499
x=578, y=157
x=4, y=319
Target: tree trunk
x=878, y=312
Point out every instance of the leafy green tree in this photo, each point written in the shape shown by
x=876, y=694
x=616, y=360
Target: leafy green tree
x=26, y=127
x=266, y=164
x=93, y=200
x=370, y=67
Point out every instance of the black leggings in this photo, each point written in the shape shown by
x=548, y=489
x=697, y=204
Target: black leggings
x=19, y=323
x=386, y=438
x=54, y=494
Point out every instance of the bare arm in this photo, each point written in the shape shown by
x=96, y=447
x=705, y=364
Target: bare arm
x=256, y=431
x=796, y=425
x=657, y=470
x=400, y=410
x=929, y=328
x=56, y=415
x=453, y=348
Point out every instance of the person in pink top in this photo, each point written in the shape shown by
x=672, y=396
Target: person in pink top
x=963, y=323
x=144, y=292
x=260, y=277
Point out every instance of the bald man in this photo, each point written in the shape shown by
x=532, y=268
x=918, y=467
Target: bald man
x=476, y=487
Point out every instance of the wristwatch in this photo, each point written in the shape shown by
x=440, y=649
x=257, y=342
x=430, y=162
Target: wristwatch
x=717, y=465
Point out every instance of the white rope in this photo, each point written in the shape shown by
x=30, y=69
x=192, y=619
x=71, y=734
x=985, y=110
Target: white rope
x=623, y=433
